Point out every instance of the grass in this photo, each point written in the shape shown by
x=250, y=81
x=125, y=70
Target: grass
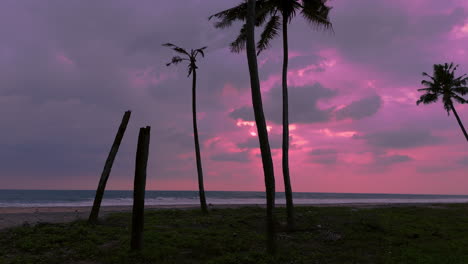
x=324, y=235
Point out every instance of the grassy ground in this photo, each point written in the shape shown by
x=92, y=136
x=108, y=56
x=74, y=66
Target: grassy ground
x=325, y=235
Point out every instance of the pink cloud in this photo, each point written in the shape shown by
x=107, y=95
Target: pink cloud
x=378, y=51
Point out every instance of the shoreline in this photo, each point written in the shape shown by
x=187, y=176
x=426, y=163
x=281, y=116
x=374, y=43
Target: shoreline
x=17, y=216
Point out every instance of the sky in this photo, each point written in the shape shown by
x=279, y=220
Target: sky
x=70, y=69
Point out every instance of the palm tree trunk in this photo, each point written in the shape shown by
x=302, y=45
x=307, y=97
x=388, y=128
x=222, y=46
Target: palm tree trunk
x=459, y=122
x=261, y=128
x=285, y=159
x=201, y=188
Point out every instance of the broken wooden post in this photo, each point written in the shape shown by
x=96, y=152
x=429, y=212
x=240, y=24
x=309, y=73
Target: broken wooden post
x=93, y=216
x=139, y=185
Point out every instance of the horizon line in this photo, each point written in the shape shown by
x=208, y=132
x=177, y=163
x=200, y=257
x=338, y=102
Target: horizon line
x=234, y=191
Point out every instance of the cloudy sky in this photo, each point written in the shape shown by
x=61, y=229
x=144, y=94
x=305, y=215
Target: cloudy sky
x=70, y=69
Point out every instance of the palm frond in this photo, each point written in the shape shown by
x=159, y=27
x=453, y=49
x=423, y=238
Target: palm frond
x=460, y=81
x=175, y=60
x=288, y=9
x=239, y=43
x=427, y=75
x=200, y=50
x=176, y=48
x=450, y=67
x=427, y=98
x=190, y=57
x=271, y=30
x=429, y=84
x=228, y=16
x=238, y=13
x=447, y=104
x=190, y=70
x=262, y=10
x=462, y=90
x=180, y=50
x=316, y=12
x=427, y=89
x=459, y=99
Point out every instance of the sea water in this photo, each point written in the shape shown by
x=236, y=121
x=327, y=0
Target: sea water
x=70, y=198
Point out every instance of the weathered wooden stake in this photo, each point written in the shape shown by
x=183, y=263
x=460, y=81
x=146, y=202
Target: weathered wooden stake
x=139, y=186
x=93, y=216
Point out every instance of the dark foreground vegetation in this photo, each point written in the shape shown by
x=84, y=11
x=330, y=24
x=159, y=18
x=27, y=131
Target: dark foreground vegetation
x=406, y=234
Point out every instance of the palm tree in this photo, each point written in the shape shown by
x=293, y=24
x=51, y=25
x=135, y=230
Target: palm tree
x=443, y=83
x=247, y=37
x=278, y=13
x=261, y=126
x=191, y=58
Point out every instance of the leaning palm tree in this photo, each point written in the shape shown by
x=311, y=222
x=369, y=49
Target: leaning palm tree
x=248, y=39
x=278, y=13
x=444, y=83
x=191, y=58
x=261, y=126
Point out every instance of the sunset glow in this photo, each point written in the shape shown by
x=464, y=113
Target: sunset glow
x=354, y=124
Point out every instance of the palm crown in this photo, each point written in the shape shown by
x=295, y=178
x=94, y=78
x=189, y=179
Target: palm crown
x=314, y=11
x=444, y=83
x=191, y=56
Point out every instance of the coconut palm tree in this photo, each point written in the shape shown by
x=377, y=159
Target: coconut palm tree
x=279, y=13
x=247, y=37
x=191, y=58
x=444, y=83
x=261, y=126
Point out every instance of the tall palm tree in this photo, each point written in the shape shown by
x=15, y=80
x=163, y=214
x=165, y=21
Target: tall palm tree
x=191, y=58
x=247, y=37
x=444, y=83
x=278, y=13
x=261, y=126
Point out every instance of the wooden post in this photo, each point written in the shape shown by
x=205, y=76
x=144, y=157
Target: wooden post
x=139, y=188
x=93, y=216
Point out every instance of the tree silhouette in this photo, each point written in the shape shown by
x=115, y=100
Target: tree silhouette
x=444, y=84
x=278, y=13
x=248, y=38
x=191, y=58
x=261, y=127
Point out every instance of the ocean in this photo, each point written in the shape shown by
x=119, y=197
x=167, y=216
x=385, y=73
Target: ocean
x=58, y=198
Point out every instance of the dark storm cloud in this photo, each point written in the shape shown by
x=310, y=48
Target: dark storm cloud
x=89, y=34
x=359, y=109
x=46, y=157
x=66, y=72
x=102, y=42
x=69, y=69
x=302, y=105
x=396, y=43
x=400, y=139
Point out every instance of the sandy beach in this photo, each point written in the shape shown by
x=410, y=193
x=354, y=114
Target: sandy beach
x=17, y=216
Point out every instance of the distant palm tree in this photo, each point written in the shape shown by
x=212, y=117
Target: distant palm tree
x=191, y=58
x=444, y=83
x=278, y=13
